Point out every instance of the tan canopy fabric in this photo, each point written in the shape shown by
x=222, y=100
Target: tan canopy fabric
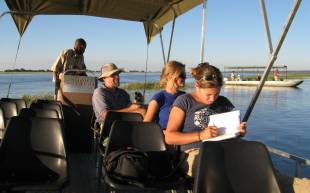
x=153, y=13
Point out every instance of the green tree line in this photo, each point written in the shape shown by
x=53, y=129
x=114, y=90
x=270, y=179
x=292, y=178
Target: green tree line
x=26, y=70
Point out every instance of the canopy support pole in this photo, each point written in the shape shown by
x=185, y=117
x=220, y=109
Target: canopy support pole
x=266, y=24
x=203, y=31
x=272, y=59
x=171, y=36
x=16, y=55
x=162, y=45
x=146, y=69
x=4, y=13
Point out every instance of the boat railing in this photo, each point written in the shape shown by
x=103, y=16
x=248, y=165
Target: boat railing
x=67, y=72
x=298, y=160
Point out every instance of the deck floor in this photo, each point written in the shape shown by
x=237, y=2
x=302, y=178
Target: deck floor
x=83, y=178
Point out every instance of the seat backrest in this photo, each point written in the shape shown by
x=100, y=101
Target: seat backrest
x=9, y=110
x=20, y=103
x=26, y=142
x=48, y=106
x=49, y=102
x=36, y=112
x=113, y=116
x=235, y=166
x=47, y=136
x=2, y=125
x=141, y=135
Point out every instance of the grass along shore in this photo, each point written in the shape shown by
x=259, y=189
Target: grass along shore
x=155, y=85
x=33, y=98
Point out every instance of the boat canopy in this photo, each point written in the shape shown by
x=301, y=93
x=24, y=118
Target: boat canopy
x=153, y=13
x=252, y=67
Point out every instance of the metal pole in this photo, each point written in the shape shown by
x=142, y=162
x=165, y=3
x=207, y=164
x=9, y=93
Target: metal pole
x=266, y=24
x=272, y=59
x=171, y=36
x=203, y=30
x=146, y=69
x=15, y=59
x=297, y=168
x=162, y=46
x=4, y=13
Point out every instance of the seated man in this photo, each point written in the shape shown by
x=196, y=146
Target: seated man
x=111, y=98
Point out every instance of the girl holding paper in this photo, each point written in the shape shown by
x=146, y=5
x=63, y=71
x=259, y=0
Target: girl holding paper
x=189, y=117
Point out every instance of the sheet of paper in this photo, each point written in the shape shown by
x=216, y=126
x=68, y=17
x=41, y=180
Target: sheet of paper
x=227, y=124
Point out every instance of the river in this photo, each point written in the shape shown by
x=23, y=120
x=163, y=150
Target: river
x=280, y=118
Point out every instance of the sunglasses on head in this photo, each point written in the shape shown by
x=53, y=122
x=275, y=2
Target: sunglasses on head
x=210, y=77
x=182, y=75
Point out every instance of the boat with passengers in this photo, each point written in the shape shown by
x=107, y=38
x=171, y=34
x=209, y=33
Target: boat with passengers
x=44, y=154
x=251, y=75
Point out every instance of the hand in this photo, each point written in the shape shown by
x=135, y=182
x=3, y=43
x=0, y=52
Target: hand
x=142, y=111
x=242, y=129
x=209, y=132
x=135, y=106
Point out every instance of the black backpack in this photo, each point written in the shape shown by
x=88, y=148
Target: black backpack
x=133, y=166
x=128, y=166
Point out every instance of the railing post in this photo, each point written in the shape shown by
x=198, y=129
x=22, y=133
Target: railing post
x=297, y=168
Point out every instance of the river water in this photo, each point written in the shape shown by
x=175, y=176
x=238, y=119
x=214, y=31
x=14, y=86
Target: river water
x=280, y=118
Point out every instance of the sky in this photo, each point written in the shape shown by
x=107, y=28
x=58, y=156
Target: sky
x=234, y=36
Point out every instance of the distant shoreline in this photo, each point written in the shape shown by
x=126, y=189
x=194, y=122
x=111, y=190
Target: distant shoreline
x=290, y=74
x=25, y=72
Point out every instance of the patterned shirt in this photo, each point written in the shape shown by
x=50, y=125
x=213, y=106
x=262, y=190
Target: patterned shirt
x=197, y=114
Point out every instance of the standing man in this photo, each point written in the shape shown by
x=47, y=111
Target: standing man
x=111, y=98
x=69, y=59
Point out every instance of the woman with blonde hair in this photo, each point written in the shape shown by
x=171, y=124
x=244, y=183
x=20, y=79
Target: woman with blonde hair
x=172, y=78
x=188, y=120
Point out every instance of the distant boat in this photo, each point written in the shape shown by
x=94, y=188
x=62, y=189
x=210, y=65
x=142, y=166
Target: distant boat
x=238, y=81
x=283, y=83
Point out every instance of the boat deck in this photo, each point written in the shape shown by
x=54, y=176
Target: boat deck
x=83, y=176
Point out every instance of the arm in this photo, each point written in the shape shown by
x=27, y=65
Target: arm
x=173, y=134
x=151, y=111
x=99, y=105
x=133, y=108
x=58, y=65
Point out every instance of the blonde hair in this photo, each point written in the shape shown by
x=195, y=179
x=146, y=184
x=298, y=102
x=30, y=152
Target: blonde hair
x=207, y=76
x=170, y=68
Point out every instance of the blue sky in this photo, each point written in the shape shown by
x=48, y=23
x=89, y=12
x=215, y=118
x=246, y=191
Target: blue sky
x=234, y=36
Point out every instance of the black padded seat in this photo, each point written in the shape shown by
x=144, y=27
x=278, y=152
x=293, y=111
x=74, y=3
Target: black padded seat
x=2, y=124
x=49, y=102
x=235, y=166
x=20, y=103
x=111, y=116
x=42, y=101
x=36, y=112
x=33, y=155
x=56, y=107
x=147, y=137
x=9, y=110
